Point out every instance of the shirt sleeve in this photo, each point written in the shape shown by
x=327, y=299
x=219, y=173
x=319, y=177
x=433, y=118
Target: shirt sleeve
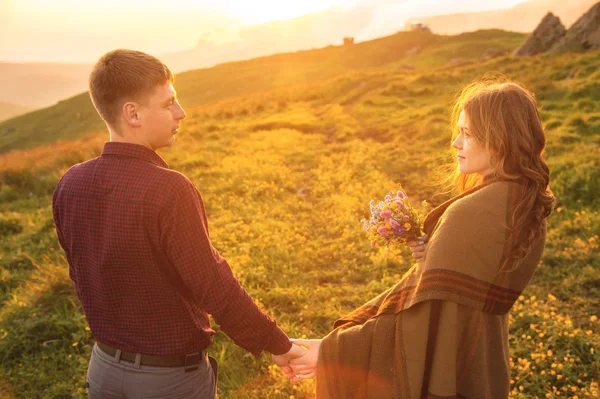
x=55, y=216
x=56, y=213
x=185, y=240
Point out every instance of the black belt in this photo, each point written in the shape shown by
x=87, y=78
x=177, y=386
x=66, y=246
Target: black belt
x=191, y=362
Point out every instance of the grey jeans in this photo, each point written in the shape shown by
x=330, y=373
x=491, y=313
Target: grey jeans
x=108, y=378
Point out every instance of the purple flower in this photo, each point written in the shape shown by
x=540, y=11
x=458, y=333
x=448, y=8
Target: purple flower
x=382, y=230
x=406, y=218
x=400, y=194
x=395, y=225
x=386, y=214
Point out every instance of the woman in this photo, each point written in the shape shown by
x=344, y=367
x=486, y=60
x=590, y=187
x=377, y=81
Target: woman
x=442, y=331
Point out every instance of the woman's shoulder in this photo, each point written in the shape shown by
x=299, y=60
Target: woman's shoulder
x=489, y=200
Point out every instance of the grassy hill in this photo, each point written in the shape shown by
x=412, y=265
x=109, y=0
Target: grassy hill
x=10, y=110
x=76, y=116
x=286, y=172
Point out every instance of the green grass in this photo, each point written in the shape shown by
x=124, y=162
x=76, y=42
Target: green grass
x=286, y=176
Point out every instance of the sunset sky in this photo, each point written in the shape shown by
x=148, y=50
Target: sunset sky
x=81, y=30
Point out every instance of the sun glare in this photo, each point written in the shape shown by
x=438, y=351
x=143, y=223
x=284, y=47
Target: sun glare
x=261, y=11
x=250, y=12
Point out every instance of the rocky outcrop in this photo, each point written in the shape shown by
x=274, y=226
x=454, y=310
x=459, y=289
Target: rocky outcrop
x=548, y=33
x=584, y=34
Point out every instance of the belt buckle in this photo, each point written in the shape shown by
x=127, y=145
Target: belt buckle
x=192, y=361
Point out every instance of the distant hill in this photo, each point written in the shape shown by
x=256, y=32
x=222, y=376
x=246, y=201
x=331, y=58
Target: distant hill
x=41, y=84
x=523, y=17
x=304, y=32
x=9, y=110
x=76, y=116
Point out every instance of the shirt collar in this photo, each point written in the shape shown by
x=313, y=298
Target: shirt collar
x=133, y=150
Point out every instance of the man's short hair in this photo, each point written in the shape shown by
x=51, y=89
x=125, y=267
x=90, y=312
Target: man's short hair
x=124, y=75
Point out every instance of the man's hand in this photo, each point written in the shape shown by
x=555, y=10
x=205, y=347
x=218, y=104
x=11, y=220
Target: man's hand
x=283, y=360
x=418, y=248
x=306, y=365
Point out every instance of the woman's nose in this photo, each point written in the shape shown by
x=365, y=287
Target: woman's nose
x=457, y=143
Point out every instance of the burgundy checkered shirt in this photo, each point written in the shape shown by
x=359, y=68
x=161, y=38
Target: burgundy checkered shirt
x=136, y=238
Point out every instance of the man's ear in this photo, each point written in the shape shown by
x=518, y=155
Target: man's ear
x=131, y=114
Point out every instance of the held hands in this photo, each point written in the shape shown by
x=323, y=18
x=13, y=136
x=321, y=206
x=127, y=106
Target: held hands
x=299, y=363
x=418, y=248
x=305, y=366
x=283, y=360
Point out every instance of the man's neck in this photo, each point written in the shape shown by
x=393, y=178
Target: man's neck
x=117, y=138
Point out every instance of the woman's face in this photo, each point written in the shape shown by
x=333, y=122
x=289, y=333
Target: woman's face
x=472, y=155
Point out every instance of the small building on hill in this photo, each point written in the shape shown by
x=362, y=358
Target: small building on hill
x=416, y=26
x=348, y=41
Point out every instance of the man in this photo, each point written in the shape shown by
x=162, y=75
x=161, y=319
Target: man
x=136, y=238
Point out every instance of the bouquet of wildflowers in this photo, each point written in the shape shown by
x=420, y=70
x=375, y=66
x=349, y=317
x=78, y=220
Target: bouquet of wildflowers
x=393, y=221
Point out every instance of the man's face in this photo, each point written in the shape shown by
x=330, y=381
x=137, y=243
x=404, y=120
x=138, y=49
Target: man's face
x=161, y=114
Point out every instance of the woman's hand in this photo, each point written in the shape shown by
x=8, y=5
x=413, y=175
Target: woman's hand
x=418, y=248
x=306, y=366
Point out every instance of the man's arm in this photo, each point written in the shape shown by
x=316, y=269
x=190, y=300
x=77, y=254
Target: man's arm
x=56, y=216
x=56, y=209
x=184, y=238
